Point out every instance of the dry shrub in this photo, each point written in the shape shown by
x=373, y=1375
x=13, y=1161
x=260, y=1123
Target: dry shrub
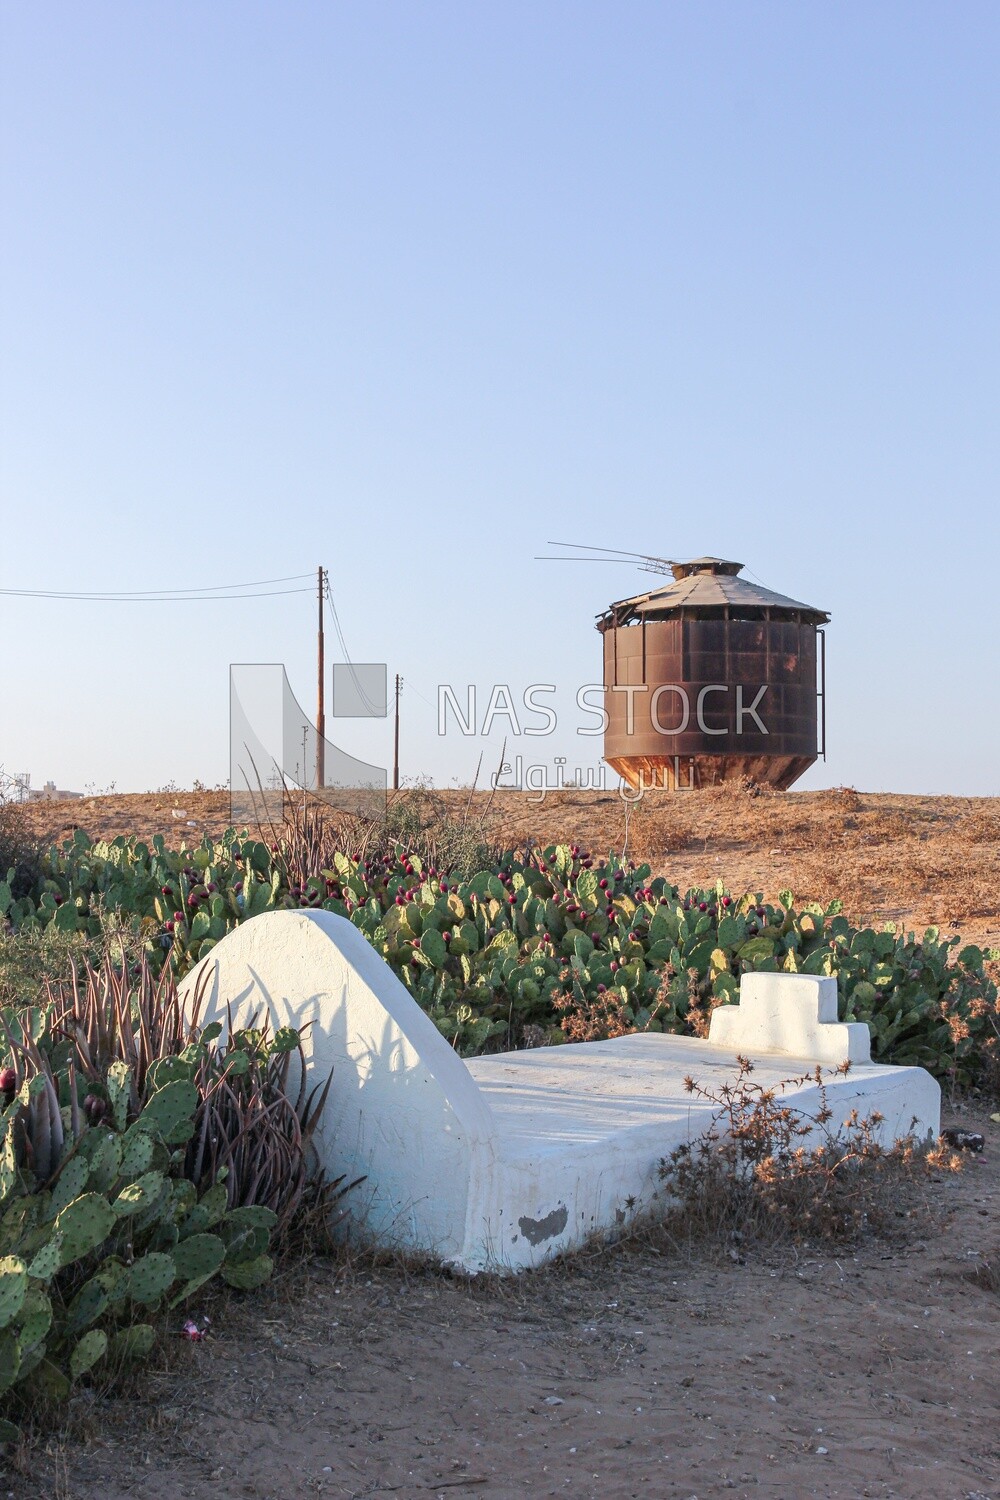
x=755, y=1177
x=422, y=820
x=657, y=831
x=608, y=1014
x=887, y=825
x=20, y=849
x=981, y=825
x=592, y=1021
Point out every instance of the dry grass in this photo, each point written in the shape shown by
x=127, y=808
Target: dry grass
x=766, y=1174
x=912, y=860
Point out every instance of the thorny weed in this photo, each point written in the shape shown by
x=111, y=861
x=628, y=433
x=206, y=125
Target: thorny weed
x=422, y=822
x=766, y=1173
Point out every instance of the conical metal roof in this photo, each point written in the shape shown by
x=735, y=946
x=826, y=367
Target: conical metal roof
x=707, y=582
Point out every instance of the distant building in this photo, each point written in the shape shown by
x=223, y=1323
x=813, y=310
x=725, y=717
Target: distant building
x=15, y=786
x=50, y=793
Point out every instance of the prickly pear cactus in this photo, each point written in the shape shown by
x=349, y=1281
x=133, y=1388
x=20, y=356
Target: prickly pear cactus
x=131, y=1344
x=83, y=1224
x=13, y=1286
x=169, y=1114
x=98, y=1225
x=92, y=1347
x=197, y=1258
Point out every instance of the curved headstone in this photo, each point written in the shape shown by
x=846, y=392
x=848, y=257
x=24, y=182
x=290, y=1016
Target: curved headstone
x=403, y=1109
x=504, y=1161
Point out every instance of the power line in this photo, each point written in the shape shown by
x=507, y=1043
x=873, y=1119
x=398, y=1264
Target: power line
x=141, y=593
x=163, y=597
x=408, y=682
x=372, y=709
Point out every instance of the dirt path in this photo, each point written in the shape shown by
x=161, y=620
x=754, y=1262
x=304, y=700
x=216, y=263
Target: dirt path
x=630, y=1374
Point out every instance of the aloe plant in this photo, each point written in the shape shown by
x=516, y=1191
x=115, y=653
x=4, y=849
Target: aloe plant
x=139, y=1159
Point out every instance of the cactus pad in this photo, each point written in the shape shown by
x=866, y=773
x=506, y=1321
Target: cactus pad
x=114, y=1278
x=35, y=1318
x=88, y=1305
x=247, y=1274
x=83, y=1224
x=151, y=1275
x=10, y=1358
x=105, y=1163
x=198, y=1257
x=138, y=1195
x=47, y=1261
x=169, y=1114
x=47, y=1378
x=207, y=1211
x=71, y=1183
x=131, y=1344
x=137, y=1154
x=119, y=1084
x=92, y=1347
x=13, y=1286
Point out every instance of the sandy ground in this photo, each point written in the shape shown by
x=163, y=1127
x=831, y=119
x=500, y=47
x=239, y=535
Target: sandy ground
x=646, y=1371
x=641, y=1372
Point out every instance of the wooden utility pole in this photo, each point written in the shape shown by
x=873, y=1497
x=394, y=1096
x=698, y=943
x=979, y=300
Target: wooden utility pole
x=395, y=743
x=320, y=706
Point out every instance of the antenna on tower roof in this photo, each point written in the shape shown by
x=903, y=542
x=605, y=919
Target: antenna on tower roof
x=642, y=560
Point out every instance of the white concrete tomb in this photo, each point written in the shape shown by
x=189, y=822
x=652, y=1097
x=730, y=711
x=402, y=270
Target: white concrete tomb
x=501, y=1162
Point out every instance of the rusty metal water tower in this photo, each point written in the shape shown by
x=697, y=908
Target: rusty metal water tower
x=711, y=678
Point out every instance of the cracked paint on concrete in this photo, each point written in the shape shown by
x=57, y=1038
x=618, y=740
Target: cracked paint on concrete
x=535, y=1231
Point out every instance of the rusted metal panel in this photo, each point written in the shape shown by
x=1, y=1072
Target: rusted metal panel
x=687, y=773
x=707, y=583
x=703, y=694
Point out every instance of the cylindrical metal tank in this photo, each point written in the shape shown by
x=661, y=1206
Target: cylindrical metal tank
x=712, y=678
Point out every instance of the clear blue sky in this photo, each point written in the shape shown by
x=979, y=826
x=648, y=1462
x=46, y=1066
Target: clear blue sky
x=410, y=289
